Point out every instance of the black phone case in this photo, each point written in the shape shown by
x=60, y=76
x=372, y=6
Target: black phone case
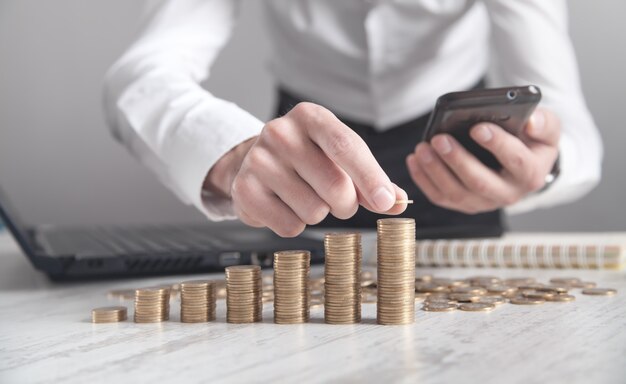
x=455, y=113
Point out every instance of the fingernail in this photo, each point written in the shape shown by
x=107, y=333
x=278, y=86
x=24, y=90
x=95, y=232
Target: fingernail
x=425, y=156
x=383, y=199
x=484, y=133
x=442, y=145
x=539, y=120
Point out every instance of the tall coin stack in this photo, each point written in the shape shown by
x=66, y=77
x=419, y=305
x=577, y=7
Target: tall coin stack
x=342, y=278
x=197, y=301
x=244, y=294
x=291, y=287
x=396, y=271
x=152, y=305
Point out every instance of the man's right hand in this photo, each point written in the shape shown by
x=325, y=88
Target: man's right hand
x=302, y=167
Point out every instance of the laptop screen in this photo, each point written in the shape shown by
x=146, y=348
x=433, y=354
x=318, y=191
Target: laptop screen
x=13, y=222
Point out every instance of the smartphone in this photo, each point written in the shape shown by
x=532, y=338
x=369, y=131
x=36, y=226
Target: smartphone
x=457, y=112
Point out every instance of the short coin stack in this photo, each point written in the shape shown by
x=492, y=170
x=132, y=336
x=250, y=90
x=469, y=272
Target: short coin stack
x=291, y=287
x=152, y=305
x=244, y=294
x=342, y=278
x=108, y=314
x=197, y=301
x=396, y=271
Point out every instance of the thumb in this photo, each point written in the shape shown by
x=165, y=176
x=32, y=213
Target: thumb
x=544, y=126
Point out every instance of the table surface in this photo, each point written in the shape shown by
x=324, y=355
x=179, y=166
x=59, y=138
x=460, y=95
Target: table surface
x=46, y=336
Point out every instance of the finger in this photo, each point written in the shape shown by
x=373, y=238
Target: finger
x=348, y=151
x=245, y=218
x=476, y=177
x=293, y=146
x=263, y=206
x=420, y=179
x=511, y=152
x=454, y=191
x=544, y=126
x=397, y=209
x=439, y=173
x=291, y=189
x=329, y=181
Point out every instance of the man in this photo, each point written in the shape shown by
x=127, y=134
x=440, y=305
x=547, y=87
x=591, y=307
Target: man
x=378, y=66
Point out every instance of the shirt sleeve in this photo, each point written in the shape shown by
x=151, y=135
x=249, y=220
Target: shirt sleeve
x=531, y=45
x=155, y=106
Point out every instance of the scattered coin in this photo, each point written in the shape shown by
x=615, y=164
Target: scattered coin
x=430, y=287
x=477, y=307
x=562, y=298
x=525, y=301
x=464, y=297
x=584, y=284
x=439, y=307
x=108, y=314
x=532, y=294
x=565, y=280
x=483, y=281
x=552, y=289
x=600, y=291
x=499, y=289
x=478, y=291
x=517, y=281
x=495, y=300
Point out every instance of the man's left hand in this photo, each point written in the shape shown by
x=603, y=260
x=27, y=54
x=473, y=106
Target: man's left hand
x=453, y=178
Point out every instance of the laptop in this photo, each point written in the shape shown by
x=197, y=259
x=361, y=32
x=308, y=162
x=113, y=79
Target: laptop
x=65, y=253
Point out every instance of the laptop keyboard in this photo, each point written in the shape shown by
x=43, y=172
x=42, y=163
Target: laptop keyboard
x=120, y=241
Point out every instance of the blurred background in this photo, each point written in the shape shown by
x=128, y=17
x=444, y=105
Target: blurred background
x=60, y=165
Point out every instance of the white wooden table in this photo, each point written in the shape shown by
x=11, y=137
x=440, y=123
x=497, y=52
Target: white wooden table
x=46, y=336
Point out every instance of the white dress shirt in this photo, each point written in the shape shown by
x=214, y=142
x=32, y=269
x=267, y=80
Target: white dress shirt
x=381, y=62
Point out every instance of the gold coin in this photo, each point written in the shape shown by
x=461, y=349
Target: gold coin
x=495, y=300
x=600, y=291
x=439, y=307
x=464, y=297
x=518, y=281
x=108, y=314
x=562, y=298
x=479, y=291
x=291, y=287
x=396, y=282
x=438, y=300
x=583, y=284
x=525, y=301
x=477, y=307
x=530, y=294
x=565, y=280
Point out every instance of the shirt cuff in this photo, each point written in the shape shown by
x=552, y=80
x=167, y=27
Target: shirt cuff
x=206, y=136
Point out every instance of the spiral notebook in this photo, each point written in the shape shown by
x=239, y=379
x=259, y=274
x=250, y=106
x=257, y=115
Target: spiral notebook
x=527, y=250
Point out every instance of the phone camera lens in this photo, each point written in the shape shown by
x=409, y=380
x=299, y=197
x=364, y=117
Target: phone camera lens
x=511, y=95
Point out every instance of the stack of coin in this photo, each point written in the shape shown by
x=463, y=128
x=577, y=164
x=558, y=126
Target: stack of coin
x=342, y=273
x=244, y=294
x=152, y=305
x=396, y=271
x=197, y=301
x=108, y=314
x=291, y=287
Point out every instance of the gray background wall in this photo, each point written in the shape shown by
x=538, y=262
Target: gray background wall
x=59, y=164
